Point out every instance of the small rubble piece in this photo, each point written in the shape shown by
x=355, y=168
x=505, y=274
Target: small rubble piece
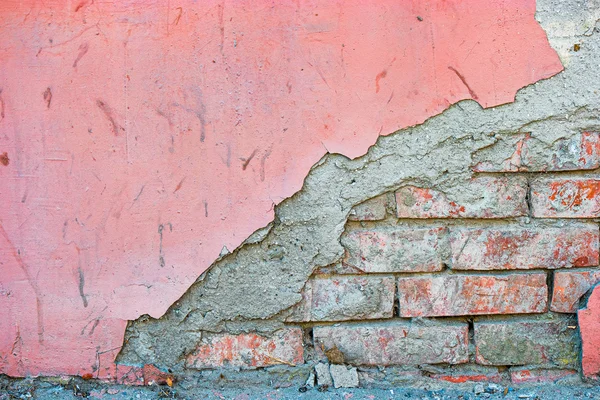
x=343, y=376
x=478, y=389
x=323, y=376
x=310, y=382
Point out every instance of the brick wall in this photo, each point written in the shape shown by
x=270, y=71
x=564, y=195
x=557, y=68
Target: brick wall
x=481, y=286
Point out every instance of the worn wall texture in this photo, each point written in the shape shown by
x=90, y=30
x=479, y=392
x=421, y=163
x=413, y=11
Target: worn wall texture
x=457, y=249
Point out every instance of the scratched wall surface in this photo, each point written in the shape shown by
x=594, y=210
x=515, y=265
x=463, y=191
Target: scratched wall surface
x=138, y=138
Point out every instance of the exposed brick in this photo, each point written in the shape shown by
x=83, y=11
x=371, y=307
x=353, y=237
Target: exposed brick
x=374, y=209
x=569, y=286
x=448, y=295
x=524, y=248
x=346, y=298
x=396, y=343
x=395, y=250
x=589, y=321
x=248, y=350
x=534, y=342
x=525, y=153
x=566, y=198
x=468, y=373
x=526, y=375
x=485, y=197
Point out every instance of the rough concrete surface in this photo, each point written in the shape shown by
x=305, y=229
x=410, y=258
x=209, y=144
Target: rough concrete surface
x=254, y=287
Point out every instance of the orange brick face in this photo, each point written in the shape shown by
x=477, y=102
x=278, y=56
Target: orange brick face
x=452, y=295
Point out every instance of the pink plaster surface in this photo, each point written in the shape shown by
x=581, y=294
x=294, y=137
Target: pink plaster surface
x=137, y=138
x=589, y=321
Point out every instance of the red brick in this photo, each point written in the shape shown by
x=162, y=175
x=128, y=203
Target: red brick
x=524, y=153
x=525, y=375
x=542, y=342
x=486, y=197
x=395, y=250
x=396, y=343
x=374, y=209
x=248, y=350
x=524, y=248
x=569, y=286
x=566, y=198
x=346, y=298
x=589, y=326
x=469, y=373
x=448, y=295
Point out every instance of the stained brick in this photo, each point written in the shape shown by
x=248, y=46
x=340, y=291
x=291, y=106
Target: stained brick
x=374, y=209
x=396, y=343
x=526, y=375
x=569, y=286
x=485, y=197
x=395, y=250
x=248, y=350
x=346, y=298
x=526, y=153
x=534, y=342
x=524, y=248
x=566, y=198
x=448, y=295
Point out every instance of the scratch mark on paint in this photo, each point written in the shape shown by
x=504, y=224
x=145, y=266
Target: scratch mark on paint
x=108, y=113
x=379, y=76
x=179, y=185
x=17, y=256
x=140, y=193
x=81, y=285
x=205, y=209
x=178, y=17
x=161, y=255
x=83, y=49
x=390, y=99
x=48, y=97
x=464, y=81
x=262, y=164
x=247, y=160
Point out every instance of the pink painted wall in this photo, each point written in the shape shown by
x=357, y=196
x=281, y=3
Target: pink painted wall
x=143, y=136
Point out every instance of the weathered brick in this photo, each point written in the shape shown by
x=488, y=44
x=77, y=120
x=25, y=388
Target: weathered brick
x=467, y=373
x=526, y=375
x=569, y=286
x=374, y=209
x=396, y=343
x=395, y=250
x=522, y=152
x=448, y=295
x=248, y=350
x=524, y=248
x=566, y=198
x=534, y=342
x=346, y=298
x=485, y=197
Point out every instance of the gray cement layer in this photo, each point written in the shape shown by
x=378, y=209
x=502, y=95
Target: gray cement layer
x=254, y=287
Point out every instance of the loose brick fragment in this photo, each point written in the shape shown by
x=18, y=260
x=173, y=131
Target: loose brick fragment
x=589, y=322
x=396, y=343
x=449, y=295
x=374, y=209
x=533, y=342
x=526, y=375
x=248, y=350
x=524, y=248
x=346, y=298
x=569, y=286
x=523, y=153
x=485, y=197
x=395, y=250
x=566, y=198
